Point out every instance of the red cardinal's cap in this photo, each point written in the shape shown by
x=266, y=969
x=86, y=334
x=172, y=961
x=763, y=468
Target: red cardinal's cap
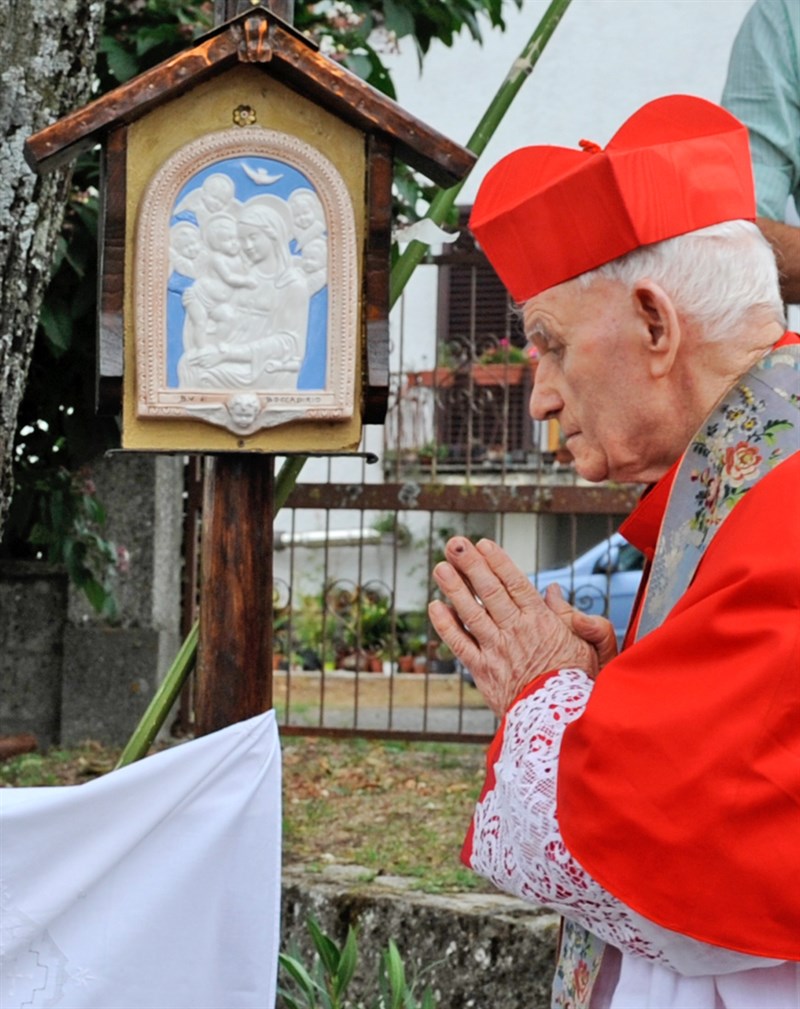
x=545, y=214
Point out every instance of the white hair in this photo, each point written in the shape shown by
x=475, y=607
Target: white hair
x=718, y=277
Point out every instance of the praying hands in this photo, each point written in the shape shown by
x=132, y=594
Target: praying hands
x=503, y=630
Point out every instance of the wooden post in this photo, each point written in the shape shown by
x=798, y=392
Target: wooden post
x=234, y=654
x=234, y=657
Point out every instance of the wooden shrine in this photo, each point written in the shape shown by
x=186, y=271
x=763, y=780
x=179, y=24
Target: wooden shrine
x=245, y=242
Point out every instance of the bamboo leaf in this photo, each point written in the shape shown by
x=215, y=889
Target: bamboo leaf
x=347, y=963
x=300, y=975
x=287, y=1001
x=325, y=946
x=396, y=974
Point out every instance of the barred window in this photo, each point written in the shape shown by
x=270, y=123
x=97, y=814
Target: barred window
x=480, y=411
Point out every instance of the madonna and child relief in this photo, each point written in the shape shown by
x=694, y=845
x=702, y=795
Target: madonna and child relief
x=246, y=285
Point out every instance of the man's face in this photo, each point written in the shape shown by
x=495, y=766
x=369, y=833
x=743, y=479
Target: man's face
x=593, y=377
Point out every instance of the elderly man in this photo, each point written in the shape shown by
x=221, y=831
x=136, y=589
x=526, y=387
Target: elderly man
x=651, y=797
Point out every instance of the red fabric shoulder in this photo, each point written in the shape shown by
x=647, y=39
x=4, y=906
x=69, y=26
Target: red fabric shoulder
x=679, y=787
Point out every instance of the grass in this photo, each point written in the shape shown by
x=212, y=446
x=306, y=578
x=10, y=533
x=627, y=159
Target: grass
x=394, y=808
x=58, y=766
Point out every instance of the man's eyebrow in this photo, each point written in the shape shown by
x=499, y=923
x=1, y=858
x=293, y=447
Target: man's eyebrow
x=538, y=330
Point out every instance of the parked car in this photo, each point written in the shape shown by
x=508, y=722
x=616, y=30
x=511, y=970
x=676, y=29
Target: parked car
x=602, y=581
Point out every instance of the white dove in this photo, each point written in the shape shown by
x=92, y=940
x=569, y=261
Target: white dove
x=426, y=231
x=260, y=176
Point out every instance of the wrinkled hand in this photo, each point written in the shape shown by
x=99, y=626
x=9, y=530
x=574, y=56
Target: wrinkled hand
x=498, y=625
x=596, y=631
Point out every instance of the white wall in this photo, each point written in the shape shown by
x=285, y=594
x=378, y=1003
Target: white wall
x=606, y=59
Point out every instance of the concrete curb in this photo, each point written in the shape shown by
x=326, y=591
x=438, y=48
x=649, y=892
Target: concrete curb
x=472, y=949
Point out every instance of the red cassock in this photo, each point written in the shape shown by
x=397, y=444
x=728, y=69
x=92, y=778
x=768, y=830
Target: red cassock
x=679, y=787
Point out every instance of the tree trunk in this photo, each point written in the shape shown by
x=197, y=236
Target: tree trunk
x=47, y=52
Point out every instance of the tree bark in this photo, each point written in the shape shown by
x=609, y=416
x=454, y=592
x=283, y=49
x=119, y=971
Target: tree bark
x=47, y=53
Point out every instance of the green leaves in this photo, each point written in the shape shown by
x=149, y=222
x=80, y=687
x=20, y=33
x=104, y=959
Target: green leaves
x=307, y=985
x=325, y=984
x=358, y=30
x=122, y=65
x=366, y=62
x=399, y=19
x=136, y=39
x=395, y=975
x=347, y=963
x=56, y=325
x=432, y=19
x=68, y=530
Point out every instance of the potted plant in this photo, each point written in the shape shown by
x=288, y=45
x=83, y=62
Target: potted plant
x=441, y=658
x=503, y=363
x=312, y=647
x=413, y=646
x=364, y=625
x=376, y=627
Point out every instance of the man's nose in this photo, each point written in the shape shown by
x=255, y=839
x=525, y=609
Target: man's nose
x=545, y=401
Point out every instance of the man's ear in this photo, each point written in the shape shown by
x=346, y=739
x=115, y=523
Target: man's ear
x=661, y=328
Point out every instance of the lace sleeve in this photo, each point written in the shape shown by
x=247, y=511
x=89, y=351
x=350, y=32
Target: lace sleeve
x=516, y=842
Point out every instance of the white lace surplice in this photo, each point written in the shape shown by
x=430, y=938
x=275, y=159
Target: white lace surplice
x=517, y=844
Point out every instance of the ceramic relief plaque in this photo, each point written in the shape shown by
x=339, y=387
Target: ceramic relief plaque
x=246, y=285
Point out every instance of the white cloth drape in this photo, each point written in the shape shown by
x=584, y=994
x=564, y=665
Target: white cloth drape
x=154, y=887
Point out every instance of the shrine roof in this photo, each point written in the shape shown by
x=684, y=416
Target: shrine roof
x=258, y=38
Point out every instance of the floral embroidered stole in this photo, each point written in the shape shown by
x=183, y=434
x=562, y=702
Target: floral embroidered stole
x=754, y=428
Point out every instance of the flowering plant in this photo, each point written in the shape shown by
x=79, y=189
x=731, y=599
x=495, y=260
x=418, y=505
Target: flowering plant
x=504, y=352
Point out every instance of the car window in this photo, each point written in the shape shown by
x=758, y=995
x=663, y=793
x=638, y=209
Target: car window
x=619, y=558
x=606, y=563
x=629, y=558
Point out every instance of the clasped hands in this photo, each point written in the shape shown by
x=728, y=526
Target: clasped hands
x=503, y=630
